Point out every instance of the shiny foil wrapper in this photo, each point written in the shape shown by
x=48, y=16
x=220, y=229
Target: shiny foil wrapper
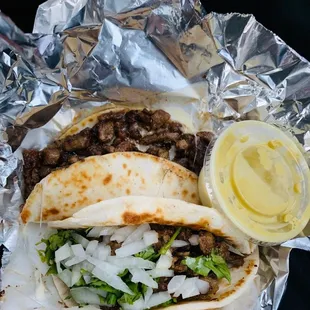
x=83, y=54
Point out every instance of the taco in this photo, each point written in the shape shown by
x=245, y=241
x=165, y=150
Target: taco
x=118, y=129
x=97, y=178
x=143, y=253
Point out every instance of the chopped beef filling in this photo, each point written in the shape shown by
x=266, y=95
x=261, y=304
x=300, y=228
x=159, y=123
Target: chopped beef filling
x=120, y=132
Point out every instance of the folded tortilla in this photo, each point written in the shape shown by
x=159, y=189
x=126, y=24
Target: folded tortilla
x=132, y=210
x=66, y=191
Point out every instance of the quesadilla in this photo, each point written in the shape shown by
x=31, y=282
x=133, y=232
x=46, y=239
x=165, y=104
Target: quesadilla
x=143, y=253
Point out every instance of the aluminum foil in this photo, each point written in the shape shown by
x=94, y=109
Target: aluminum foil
x=85, y=53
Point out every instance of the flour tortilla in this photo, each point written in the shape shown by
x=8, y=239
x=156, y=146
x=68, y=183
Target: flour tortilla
x=136, y=210
x=66, y=191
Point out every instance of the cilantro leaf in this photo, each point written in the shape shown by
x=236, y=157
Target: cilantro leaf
x=169, y=302
x=204, y=264
x=148, y=254
x=167, y=246
x=111, y=299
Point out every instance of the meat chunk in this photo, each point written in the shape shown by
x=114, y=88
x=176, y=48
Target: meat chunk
x=177, y=266
x=182, y=161
x=44, y=171
x=132, y=116
x=51, y=156
x=206, y=136
x=145, y=117
x=158, y=151
x=31, y=158
x=167, y=137
x=159, y=119
x=175, y=127
x=164, y=235
x=163, y=284
x=214, y=286
x=73, y=159
x=111, y=116
x=235, y=260
x=114, y=246
x=182, y=145
x=105, y=131
x=185, y=234
x=120, y=130
x=126, y=146
x=106, y=149
x=76, y=142
x=134, y=131
x=96, y=149
x=206, y=242
x=222, y=248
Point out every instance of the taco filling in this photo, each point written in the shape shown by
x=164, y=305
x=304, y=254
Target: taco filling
x=139, y=267
x=145, y=131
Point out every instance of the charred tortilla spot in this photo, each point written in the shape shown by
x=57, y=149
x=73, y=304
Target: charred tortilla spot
x=91, y=119
x=85, y=176
x=193, y=196
x=249, y=268
x=124, y=166
x=184, y=193
x=129, y=173
x=128, y=191
x=127, y=155
x=142, y=180
x=107, y=179
x=25, y=215
x=98, y=200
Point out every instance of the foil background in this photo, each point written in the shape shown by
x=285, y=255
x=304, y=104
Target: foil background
x=84, y=53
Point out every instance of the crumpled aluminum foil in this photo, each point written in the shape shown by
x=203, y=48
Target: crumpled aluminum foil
x=84, y=53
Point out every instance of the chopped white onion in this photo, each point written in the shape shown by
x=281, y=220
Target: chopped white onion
x=130, y=249
x=147, y=295
x=98, y=291
x=187, y=289
x=102, y=252
x=112, y=279
x=175, y=283
x=203, y=286
x=86, y=265
x=137, y=234
x=106, y=266
x=137, y=305
x=78, y=250
x=122, y=233
x=157, y=273
x=164, y=262
x=80, y=239
x=106, y=239
x=130, y=262
x=91, y=247
x=73, y=261
x=141, y=276
x=194, y=240
x=178, y=243
x=63, y=253
x=94, y=232
x=58, y=267
x=87, y=278
x=66, y=276
x=108, y=231
x=158, y=298
x=83, y=295
x=150, y=237
x=76, y=274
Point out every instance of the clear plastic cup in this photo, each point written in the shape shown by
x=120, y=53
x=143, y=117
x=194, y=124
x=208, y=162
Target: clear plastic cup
x=256, y=175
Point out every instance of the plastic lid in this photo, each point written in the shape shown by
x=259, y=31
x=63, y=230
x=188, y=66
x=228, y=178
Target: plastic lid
x=260, y=180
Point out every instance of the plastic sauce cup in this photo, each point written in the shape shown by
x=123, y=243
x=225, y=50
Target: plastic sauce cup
x=257, y=177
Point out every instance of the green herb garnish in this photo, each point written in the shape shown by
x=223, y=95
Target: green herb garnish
x=204, y=264
x=167, y=246
x=148, y=254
